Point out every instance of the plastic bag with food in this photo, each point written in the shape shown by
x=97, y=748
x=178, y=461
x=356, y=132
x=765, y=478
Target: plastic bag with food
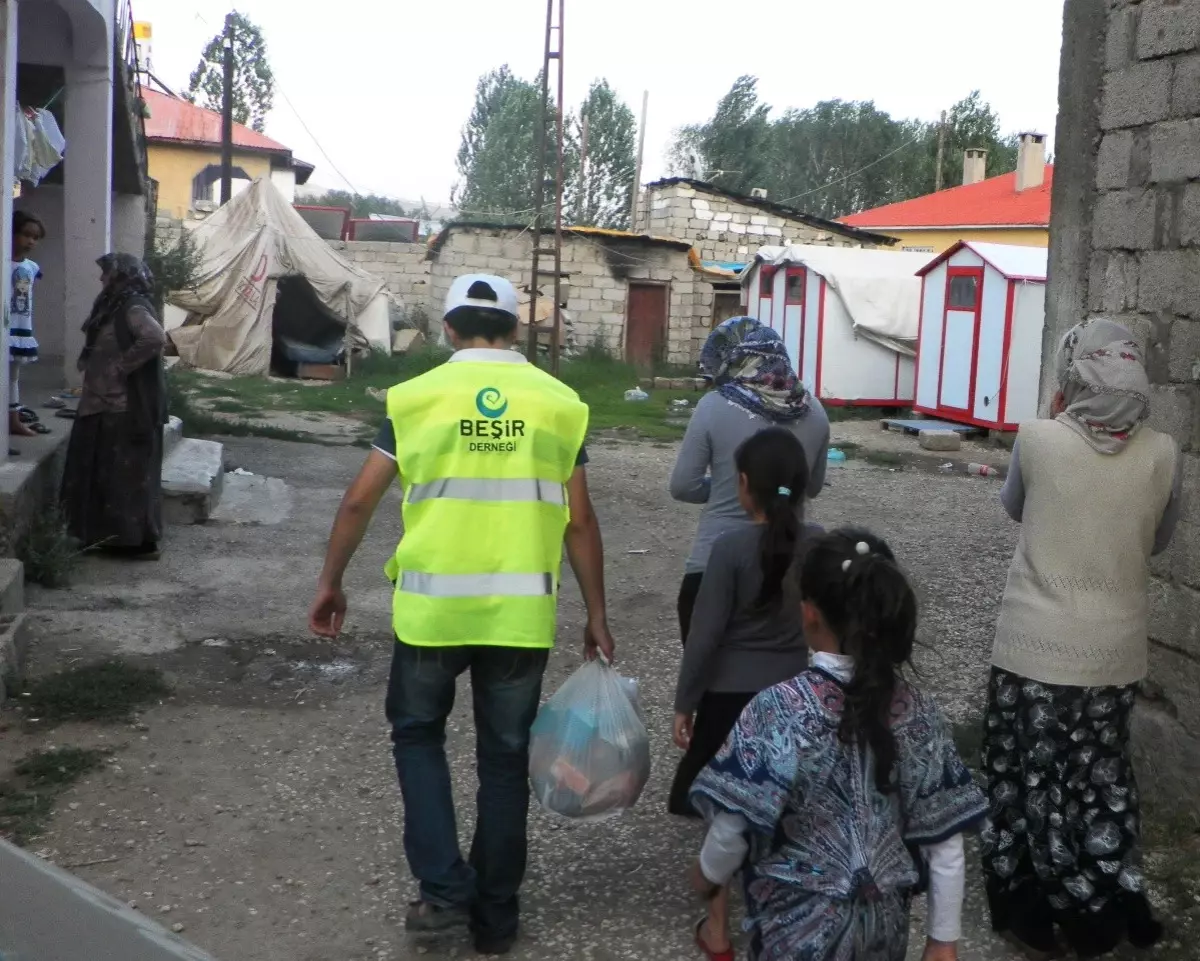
x=589, y=754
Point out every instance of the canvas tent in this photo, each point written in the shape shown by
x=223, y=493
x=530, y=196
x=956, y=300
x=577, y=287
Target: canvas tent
x=270, y=289
x=849, y=318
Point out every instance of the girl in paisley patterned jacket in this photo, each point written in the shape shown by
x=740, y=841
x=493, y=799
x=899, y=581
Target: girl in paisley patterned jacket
x=841, y=789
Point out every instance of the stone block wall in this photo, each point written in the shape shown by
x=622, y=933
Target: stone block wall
x=723, y=229
x=596, y=286
x=1125, y=244
x=402, y=267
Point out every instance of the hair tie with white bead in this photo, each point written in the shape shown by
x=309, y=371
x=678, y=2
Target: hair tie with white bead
x=862, y=548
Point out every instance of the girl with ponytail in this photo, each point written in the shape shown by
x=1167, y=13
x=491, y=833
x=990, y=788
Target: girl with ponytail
x=837, y=789
x=745, y=635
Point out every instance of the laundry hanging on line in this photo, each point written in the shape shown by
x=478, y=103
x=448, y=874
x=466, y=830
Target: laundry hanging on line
x=39, y=145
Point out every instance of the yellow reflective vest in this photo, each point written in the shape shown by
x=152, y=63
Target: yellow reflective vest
x=484, y=450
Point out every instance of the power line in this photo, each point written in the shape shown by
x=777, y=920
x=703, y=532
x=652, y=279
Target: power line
x=317, y=143
x=842, y=180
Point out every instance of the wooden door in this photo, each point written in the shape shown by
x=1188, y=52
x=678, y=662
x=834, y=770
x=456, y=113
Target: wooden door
x=646, y=324
x=726, y=304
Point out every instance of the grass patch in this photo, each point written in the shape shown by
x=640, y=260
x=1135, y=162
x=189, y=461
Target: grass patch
x=104, y=691
x=200, y=422
x=600, y=380
x=49, y=553
x=27, y=798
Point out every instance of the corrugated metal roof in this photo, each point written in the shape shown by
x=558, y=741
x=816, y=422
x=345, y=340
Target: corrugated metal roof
x=182, y=122
x=994, y=202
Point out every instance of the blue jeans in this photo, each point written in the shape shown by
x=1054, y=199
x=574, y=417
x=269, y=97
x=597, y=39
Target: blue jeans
x=506, y=685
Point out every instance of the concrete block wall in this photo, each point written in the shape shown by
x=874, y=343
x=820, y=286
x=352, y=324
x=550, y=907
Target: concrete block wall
x=403, y=267
x=1125, y=244
x=723, y=229
x=596, y=288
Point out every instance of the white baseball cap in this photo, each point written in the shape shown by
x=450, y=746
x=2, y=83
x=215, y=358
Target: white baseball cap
x=482, y=290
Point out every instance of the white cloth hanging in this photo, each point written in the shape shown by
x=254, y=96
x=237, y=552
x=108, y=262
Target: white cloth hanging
x=22, y=156
x=47, y=145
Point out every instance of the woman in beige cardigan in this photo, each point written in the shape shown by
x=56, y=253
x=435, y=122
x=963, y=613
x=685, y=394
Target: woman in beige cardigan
x=1096, y=493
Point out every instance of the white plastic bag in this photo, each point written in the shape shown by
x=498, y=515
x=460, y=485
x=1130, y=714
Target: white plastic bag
x=589, y=754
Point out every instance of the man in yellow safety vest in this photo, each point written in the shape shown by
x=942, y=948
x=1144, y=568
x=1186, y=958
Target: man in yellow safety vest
x=489, y=450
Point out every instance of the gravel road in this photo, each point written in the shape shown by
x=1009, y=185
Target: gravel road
x=258, y=807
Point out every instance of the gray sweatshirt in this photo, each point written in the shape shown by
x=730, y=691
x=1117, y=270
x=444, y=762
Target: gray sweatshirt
x=705, y=472
x=732, y=647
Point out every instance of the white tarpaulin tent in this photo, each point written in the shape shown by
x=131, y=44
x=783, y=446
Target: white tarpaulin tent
x=268, y=282
x=849, y=317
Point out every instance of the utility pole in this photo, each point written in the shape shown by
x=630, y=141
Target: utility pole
x=941, y=153
x=637, y=171
x=227, y=116
x=581, y=213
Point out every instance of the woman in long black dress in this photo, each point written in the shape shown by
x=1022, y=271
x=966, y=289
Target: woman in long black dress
x=112, y=484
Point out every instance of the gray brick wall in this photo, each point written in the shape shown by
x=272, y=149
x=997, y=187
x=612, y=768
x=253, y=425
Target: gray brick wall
x=595, y=291
x=723, y=229
x=1125, y=244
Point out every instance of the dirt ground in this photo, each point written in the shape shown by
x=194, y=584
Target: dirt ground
x=258, y=806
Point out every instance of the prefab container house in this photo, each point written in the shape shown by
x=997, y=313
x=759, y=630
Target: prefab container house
x=848, y=316
x=979, y=359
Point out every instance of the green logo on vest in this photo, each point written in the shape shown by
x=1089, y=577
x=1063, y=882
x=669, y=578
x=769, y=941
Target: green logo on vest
x=491, y=403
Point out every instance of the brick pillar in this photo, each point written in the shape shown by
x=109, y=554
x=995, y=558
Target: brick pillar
x=1125, y=244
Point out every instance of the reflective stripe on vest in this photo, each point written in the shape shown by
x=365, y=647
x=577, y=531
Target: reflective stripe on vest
x=477, y=585
x=489, y=489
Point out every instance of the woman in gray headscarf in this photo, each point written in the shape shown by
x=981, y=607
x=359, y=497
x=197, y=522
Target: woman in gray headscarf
x=112, y=481
x=1096, y=492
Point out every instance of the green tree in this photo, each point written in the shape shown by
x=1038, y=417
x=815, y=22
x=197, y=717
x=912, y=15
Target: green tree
x=604, y=198
x=685, y=152
x=735, y=144
x=836, y=157
x=254, y=83
x=497, y=160
x=840, y=156
x=972, y=123
x=361, y=205
x=490, y=93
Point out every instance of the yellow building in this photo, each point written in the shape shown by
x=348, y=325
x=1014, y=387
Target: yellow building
x=1013, y=208
x=183, y=145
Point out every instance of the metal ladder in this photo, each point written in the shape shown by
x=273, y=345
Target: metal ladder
x=547, y=240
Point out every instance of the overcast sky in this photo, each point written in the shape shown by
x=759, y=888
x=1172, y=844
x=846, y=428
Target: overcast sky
x=384, y=86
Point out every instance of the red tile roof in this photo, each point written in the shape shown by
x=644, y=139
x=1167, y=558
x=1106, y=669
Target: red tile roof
x=183, y=122
x=994, y=202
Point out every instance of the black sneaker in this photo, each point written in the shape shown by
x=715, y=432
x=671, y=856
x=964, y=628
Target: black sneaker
x=425, y=918
x=492, y=945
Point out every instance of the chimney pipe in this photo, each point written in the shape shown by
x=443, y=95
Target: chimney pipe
x=1031, y=161
x=974, y=166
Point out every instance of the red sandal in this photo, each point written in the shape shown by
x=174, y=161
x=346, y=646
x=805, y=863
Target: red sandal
x=709, y=953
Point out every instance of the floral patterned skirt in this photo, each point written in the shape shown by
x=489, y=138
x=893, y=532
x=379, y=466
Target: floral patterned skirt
x=1062, y=842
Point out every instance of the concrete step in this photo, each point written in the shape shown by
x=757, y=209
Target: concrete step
x=191, y=480
x=48, y=914
x=14, y=638
x=172, y=435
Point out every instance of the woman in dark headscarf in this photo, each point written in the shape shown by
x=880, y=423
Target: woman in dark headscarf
x=112, y=488
x=755, y=388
